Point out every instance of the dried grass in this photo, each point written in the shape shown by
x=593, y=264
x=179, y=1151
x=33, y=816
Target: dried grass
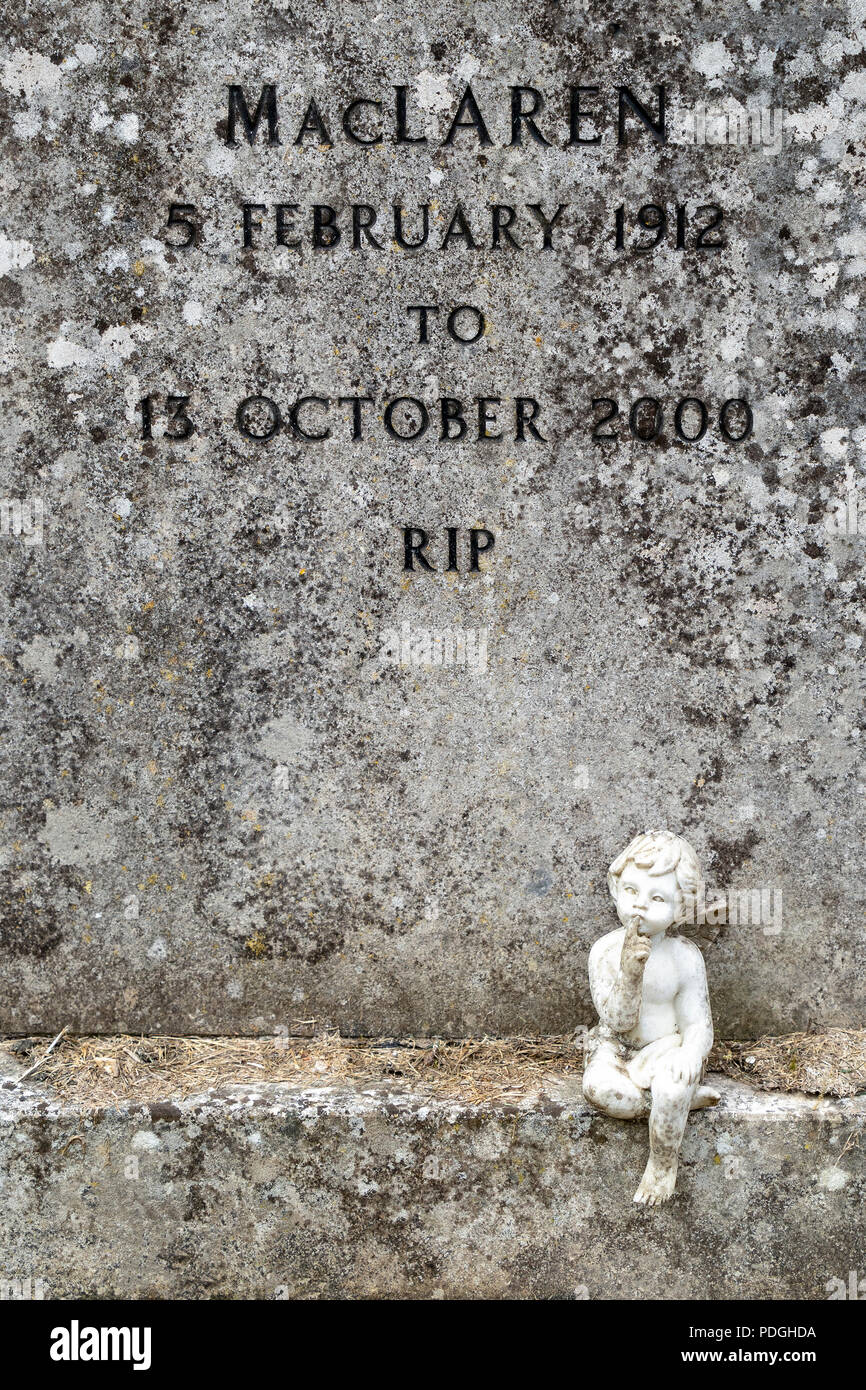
x=106, y=1071
x=832, y=1063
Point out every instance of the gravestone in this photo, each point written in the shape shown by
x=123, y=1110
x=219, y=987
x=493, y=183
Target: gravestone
x=430, y=458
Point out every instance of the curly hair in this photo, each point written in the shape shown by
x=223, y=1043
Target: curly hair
x=661, y=852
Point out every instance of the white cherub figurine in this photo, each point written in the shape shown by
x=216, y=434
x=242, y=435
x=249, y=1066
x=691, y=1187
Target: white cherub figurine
x=647, y=1054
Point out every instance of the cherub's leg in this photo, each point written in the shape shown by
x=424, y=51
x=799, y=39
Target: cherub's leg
x=671, y=1102
x=608, y=1087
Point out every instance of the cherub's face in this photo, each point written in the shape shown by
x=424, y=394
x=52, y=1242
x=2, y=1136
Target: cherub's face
x=650, y=897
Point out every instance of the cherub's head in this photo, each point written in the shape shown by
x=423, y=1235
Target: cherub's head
x=656, y=878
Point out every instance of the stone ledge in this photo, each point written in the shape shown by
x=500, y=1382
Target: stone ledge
x=357, y=1191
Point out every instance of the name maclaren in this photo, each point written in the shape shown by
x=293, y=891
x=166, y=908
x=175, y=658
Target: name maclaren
x=579, y=117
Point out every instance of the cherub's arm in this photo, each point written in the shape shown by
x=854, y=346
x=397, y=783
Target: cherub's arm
x=616, y=980
x=694, y=1019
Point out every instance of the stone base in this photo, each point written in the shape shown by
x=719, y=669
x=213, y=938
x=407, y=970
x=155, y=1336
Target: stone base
x=368, y=1191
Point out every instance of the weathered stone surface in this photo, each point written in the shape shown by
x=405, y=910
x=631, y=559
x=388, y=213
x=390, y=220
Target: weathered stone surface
x=223, y=809
x=354, y=1192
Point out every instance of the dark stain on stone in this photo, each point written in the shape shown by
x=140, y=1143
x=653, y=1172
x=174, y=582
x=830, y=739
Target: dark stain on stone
x=164, y=1110
x=11, y=293
x=29, y=924
x=731, y=855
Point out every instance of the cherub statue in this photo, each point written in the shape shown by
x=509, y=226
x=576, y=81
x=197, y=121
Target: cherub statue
x=646, y=1056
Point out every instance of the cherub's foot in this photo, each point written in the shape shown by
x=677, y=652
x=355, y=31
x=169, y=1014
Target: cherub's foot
x=704, y=1097
x=657, y=1183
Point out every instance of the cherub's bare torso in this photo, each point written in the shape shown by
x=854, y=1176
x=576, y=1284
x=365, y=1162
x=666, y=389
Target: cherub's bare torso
x=673, y=989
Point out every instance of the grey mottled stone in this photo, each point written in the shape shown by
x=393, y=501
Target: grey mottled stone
x=358, y=1192
x=222, y=809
